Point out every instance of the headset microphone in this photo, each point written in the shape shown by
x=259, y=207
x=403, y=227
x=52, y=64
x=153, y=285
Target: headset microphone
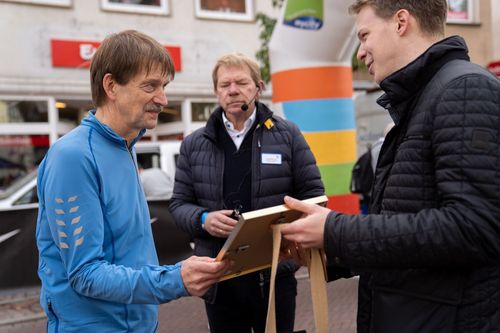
x=244, y=106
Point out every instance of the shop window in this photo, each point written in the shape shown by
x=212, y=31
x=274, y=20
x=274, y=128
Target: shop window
x=202, y=111
x=14, y=111
x=73, y=111
x=148, y=160
x=171, y=113
x=20, y=154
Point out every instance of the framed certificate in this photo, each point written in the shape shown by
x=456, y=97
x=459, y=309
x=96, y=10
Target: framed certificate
x=250, y=244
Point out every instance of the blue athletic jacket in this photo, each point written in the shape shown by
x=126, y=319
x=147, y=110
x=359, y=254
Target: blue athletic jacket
x=97, y=260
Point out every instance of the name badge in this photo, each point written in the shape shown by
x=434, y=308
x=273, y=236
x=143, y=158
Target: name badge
x=271, y=158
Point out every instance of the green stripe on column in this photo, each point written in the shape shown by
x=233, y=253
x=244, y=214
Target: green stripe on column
x=336, y=178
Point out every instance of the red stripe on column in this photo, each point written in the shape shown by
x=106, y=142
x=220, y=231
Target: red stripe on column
x=312, y=83
x=348, y=203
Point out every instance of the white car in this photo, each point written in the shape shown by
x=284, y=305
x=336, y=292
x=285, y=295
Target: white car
x=19, y=209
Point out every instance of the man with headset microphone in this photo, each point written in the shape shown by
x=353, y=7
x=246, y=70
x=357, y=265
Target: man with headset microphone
x=245, y=158
x=244, y=106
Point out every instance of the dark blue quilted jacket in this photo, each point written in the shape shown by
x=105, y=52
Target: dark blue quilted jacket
x=200, y=168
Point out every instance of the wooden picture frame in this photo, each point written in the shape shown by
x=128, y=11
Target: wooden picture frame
x=250, y=244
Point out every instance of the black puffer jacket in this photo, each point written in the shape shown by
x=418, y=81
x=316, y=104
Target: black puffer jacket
x=200, y=167
x=430, y=249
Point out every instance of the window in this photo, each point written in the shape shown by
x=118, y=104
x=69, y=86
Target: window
x=462, y=11
x=20, y=154
x=171, y=113
x=156, y=7
x=237, y=10
x=60, y=3
x=72, y=112
x=202, y=111
x=23, y=111
x=148, y=160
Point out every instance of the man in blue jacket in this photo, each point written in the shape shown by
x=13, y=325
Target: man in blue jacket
x=429, y=251
x=245, y=158
x=97, y=260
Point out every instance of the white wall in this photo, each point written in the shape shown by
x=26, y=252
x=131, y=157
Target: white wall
x=26, y=31
x=495, y=28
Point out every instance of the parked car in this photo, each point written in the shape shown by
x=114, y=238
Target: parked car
x=19, y=209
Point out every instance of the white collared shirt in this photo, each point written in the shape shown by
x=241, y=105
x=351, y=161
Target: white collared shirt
x=238, y=136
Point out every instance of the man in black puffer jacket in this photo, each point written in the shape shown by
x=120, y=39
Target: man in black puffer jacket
x=245, y=158
x=428, y=253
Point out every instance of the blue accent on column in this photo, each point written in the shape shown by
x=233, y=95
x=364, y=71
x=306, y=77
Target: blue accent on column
x=321, y=114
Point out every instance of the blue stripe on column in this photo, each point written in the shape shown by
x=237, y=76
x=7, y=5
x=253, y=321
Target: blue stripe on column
x=321, y=114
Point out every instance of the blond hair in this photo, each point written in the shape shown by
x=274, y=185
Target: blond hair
x=237, y=60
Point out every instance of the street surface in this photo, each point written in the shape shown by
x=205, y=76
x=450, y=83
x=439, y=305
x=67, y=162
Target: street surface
x=187, y=315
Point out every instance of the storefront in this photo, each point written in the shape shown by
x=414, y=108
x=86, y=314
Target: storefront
x=48, y=45
x=29, y=125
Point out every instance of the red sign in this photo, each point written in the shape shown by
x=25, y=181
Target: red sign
x=494, y=67
x=24, y=140
x=78, y=53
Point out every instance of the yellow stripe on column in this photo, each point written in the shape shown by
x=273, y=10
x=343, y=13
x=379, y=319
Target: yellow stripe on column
x=332, y=147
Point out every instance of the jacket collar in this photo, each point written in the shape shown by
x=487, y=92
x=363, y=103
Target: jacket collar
x=106, y=131
x=401, y=86
x=215, y=121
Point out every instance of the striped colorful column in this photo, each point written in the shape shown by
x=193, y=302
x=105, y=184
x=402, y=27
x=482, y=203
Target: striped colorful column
x=316, y=94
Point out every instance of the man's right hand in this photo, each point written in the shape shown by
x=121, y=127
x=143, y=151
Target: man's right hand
x=200, y=273
x=219, y=223
x=308, y=231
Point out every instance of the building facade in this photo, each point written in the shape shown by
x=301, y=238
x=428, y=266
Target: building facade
x=478, y=21
x=47, y=45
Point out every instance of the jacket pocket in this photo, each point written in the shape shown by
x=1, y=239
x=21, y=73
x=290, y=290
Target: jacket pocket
x=415, y=300
x=396, y=313
x=438, y=286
